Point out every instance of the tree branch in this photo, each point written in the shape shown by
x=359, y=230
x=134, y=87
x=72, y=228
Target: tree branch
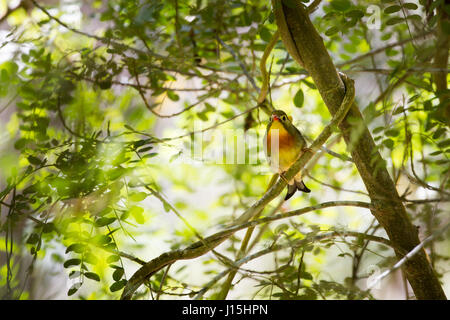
x=391, y=214
x=382, y=49
x=296, y=244
x=409, y=256
x=441, y=61
x=199, y=248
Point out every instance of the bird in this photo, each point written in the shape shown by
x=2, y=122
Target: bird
x=291, y=145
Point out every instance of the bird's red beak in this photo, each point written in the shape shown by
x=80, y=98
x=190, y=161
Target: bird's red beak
x=275, y=118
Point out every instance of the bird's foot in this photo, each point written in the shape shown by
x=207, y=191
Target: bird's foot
x=306, y=149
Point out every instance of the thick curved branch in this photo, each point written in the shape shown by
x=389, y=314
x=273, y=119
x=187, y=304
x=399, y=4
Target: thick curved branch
x=390, y=213
x=441, y=61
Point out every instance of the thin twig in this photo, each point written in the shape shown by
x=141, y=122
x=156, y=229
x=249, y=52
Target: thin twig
x=241, y=64
x=296, y=244
x=199, y=248
x=382, y=49
x=162, y=282
x=408, y=256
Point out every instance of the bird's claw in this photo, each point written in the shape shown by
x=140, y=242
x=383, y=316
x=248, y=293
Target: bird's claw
x=306, y=149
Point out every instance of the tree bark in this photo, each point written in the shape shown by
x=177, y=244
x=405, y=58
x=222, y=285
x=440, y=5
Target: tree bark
x=306, y=46
x=441, y=62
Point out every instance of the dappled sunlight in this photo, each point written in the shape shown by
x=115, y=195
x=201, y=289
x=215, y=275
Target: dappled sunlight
x=141, y=157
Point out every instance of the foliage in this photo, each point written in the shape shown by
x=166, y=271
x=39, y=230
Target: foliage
x=99, y=101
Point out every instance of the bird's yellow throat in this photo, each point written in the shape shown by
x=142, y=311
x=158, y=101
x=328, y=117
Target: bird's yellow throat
x=285, y=139
x=283, y=135
x=278, y=125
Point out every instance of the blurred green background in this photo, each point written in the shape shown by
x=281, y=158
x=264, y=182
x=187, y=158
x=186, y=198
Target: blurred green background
x=99, y=101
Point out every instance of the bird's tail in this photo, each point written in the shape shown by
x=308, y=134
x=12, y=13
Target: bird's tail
x=297, y=185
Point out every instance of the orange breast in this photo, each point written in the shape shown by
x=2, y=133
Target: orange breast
x=287, y=151
x=285, y=140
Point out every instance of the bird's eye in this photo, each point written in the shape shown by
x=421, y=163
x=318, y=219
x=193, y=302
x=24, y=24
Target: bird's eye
x=283, y=118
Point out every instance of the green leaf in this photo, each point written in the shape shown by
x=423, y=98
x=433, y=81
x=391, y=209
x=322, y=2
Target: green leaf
x=414, y=97
x=378, y=129
x=202, y=116
x=74, y=288
x=74, y=274
x=331, y=31
x=433, y=21
x=90, y=258
x=173, y=96
x=121, y=158
x=92, y=276
x=386, y=36
x=265, y=34
x=101, y=239
x=393, y=21
x=137, y=213
x=145, y=149
x=357, y=14
x=105, y=84
x=414, y=17
x=117, y=274
x=4, y=76
x=309, y=84
x=299, y=98
x=442, y=161
x=209, y=107
x=71, y=262
x=398, y=111
x=166, y=207
x=149, y=155
x=435, y=153
x=351, y=23
x=444, y=144
x=21, y=143
x=11, y=67
x=104, y=221
x=389, y=143
x=33, y=238
x=116, y=173
x=76, y=247
x=48, y=227
x=113, y=258
x=137, y=197
x=439, y=132
x=42, y=22
x=116, y=286
x=341, y=5
x=306, y=275
x=281, y=228
x=392, y=9
x=410, y=6
x=392, y=132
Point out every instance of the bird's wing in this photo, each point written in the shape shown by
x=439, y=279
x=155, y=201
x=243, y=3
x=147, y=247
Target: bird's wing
x=301, y=140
